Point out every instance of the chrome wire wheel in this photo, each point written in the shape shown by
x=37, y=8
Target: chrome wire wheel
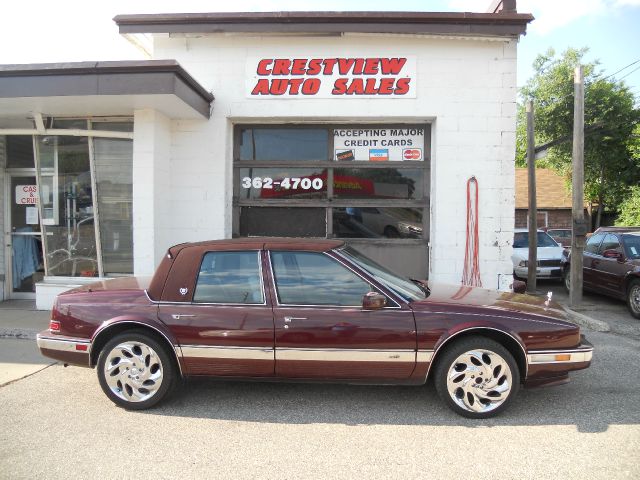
x=479, y=381
x=133, y=371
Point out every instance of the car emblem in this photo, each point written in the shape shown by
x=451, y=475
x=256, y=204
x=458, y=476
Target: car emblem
x=183, y=291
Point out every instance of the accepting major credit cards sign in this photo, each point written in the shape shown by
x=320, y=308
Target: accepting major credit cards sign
x=378, y=144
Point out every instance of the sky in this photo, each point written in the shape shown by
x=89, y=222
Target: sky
x=71, y=30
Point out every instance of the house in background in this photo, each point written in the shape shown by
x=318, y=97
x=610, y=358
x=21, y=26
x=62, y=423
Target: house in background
x=553, y=199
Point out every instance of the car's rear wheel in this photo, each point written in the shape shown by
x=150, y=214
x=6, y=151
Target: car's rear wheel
x=135, y=371
x=633, y=298
x=477, y=377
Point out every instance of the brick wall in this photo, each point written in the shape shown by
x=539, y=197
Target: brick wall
x=560, y=218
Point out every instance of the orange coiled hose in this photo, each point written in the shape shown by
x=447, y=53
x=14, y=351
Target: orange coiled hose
x=471, y=272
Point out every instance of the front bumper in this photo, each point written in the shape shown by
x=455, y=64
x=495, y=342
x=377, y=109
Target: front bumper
x=552, y=367
x=70, y=350
x=541, y=272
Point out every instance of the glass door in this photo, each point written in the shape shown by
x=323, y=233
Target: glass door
x=25, y=238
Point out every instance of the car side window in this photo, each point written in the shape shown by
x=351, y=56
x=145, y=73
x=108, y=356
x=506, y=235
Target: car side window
x=610, y=242
x=229, y=277
x=631, y=245
x=308, y=278
x=594, y=243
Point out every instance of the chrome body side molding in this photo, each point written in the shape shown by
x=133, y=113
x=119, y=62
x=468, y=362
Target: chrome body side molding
x=238, y=353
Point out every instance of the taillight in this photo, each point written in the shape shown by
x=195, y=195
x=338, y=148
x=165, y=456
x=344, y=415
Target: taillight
x=54, y=326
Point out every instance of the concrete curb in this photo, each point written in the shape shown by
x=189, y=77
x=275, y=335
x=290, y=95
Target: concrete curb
x=18, y=333
x=586, y=321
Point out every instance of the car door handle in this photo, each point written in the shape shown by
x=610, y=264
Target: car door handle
x=178, y=316
x=291, y=319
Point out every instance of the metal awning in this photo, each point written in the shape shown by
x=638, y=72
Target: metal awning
x=100, y=89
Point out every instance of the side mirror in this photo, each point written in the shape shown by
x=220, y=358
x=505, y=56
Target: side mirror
x=373, y=301
x=612, y=254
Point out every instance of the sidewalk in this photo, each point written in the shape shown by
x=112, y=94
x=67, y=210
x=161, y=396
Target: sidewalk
x=20, y=319
x=19, y=354
x=597, y=312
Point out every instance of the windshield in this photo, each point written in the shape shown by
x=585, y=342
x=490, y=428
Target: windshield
x=402, y=286
x=631, y=244
x=521, y=240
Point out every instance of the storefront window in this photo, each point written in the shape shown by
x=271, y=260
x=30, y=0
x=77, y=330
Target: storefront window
x=377, y=222
x=67, y=203
x=298, y=144
x=368, y=181
x=282, y=222
x=68, y=168
x=114, y=174
x=20, y=151
x=378, y=183
x=279, y=183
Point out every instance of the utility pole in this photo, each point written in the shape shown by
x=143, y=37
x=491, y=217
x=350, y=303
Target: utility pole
x=533, y=209
x=579, y=230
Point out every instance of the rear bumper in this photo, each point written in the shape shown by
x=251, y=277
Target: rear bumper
x=64, y=349
x=551, y=367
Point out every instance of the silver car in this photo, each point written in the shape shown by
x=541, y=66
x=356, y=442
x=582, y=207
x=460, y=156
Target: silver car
x=549, y=255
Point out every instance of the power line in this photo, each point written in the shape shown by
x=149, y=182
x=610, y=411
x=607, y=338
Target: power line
x=625, y=76
x=623, y=68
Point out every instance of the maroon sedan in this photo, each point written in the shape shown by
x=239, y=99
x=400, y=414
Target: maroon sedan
x=611, y=265
x=313, y=310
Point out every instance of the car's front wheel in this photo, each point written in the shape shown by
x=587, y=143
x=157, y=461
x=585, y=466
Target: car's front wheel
x=135, y=371
x=477, y=377
x=633, y=298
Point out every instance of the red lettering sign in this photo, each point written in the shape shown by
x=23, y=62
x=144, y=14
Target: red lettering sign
x=333, y=77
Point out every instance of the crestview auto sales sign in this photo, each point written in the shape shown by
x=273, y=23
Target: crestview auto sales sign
x=339, y=77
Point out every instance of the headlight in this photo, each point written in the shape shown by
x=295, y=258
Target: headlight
x=523, y=263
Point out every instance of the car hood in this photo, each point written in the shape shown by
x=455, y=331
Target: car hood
x=544, y=253
x=485, y=301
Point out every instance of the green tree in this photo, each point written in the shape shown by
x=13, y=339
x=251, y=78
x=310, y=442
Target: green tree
x=611, y=165
x=630, y=210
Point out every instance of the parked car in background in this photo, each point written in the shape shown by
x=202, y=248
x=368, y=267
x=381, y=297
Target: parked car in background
x=549, y=255
x=309, y=310
x=611, y=265
x=562, y=236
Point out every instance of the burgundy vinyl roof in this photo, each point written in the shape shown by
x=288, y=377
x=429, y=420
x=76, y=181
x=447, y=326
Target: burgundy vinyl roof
x=267, y=243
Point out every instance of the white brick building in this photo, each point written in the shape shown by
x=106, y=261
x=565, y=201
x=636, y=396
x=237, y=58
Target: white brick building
x=183, y=158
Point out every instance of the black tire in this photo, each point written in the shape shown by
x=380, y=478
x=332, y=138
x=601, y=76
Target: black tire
x=148, y=377
x=486, y=381
x=633, y=298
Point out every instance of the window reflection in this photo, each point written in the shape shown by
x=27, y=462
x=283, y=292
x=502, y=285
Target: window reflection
x=304, y=278
x=114, y=177
x=229, y=277
x=284, y=144
x=69, y=233
x=377, y=183
x=377, y=222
